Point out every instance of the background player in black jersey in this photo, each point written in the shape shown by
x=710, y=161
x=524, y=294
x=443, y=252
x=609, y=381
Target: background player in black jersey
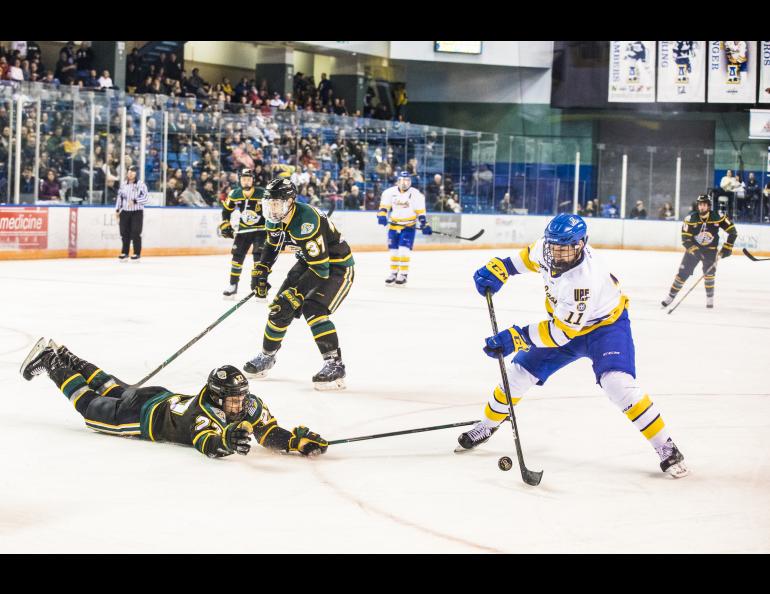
x=218, y=421
x=251, y=227
x=315, y=286
x=700, y=238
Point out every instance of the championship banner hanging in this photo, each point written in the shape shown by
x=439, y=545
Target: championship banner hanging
x=732, y=71
x=764, y=72
x=632, y=72
x=682, y=71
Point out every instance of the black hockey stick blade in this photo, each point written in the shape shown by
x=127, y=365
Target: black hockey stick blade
x=330, y=212
x=472, y=238
x=752, y=257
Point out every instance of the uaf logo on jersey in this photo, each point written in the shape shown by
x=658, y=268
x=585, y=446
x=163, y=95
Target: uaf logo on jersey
x=307, y=228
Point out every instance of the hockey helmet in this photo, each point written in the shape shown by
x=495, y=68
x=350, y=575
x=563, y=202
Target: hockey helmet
x=227, y=389
x=279, y=198
x=564, y=239
x=246, y=172
x=404, y=181
x=703, y=198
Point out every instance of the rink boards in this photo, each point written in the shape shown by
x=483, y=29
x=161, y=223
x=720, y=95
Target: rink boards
x=70, y=232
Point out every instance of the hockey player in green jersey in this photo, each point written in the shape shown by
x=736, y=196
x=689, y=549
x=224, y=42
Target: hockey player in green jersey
x=251, y=227
x=315, y=286
x=217, y=421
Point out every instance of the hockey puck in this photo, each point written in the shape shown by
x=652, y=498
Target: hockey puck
x=505, y=463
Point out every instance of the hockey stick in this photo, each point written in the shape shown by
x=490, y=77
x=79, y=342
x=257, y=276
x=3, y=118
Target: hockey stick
x=753, y=258
x=530, y=477
x=194, y=340
x=330, y=212
x=405, y=432
x=472, y=238
x=678, y=303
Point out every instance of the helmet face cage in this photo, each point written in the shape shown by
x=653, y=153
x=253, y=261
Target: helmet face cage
x=404, y=183
x=228, y=390
x=276, y=209
x=560, y=257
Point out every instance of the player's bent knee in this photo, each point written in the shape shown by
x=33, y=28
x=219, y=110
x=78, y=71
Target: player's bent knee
x=621, y=388
x=519, y=379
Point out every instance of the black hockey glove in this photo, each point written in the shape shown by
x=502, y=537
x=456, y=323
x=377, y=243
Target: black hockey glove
x=307, y=443
x=259, y=283
x=289, y=299
x=226, y=230
x=725, y=252
x=237, y=437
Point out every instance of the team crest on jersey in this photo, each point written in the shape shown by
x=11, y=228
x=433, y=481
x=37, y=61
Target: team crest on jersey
x=249, y=217
x=581, y=294
x=307, y=228
x=704, y=238
x=251, y=409
x=220, y=415
x=221, y=374
x=581, y=306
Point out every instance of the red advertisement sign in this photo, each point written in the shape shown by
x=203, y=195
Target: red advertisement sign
x=23, y=228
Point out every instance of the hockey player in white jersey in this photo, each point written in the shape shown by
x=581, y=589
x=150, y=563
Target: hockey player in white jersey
x=588, y=317
x=406, y=206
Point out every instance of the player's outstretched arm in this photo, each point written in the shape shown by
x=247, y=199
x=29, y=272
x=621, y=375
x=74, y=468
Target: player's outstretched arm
x=270, y=435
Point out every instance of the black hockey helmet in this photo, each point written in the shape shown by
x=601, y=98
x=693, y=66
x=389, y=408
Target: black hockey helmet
x=227, y=389
x=279, y=198
x=245, y=172
x=703, y=198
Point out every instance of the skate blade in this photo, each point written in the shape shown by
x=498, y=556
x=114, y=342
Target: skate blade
x=461, y=450
x=678, y=471
x=229, y=297
x=330, y=386
x=258, y=375
x=39, y=347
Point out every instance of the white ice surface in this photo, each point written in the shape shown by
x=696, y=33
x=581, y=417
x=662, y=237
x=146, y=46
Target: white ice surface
x=414, y=358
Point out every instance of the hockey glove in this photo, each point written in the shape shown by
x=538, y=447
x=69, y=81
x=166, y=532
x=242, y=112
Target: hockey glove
x=492, y=276
x=226, y=230
x=307, y=443
x=510, y=340
x=382, y=219
x=259, y=283
x=237, y=437
x=725, y=252
x=424, y=227
x=289, y=299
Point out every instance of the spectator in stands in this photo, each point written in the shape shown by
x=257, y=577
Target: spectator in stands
x=105, y=81
x=434, y=189
x=172, y=67
x=324, y=89
x=399, y=99
x=66, y=69
x=192, y=197
x=666, y=212
x=353, y=199
x=15, y=72
x=752, y=193
x=611, y=210
x=133, y=58
x=49, y=188
x=729, y=184
x=209, y=193
x=91, y=82
x=589, y=210
x=638, y=212
x=505, y=207
x=172, y=192
x=764, y=208
x=371, y=201
x=84, y=58
x=27, y=185
x=133, y=77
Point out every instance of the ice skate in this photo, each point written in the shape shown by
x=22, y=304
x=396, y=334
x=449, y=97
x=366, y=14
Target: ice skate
x=667, y=301
x=391, y=279
x=401, y=280
x=259, y=365
x=332, y=374
x=709, y=302
x=123, y=257
x=68, y=358
x=229, y=292
x=135, y=258
x=672, y=460
x=41, y=359
x=480, y=433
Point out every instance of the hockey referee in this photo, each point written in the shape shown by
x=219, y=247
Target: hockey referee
x=132, y=196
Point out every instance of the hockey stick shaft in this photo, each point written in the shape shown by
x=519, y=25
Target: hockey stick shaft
x=472, y=238
x=752, y=257
x=405, y=432
x=678, y=303
x=530, y=477
x=194, y=340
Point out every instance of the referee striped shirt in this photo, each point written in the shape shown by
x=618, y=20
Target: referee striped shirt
x=131, y=196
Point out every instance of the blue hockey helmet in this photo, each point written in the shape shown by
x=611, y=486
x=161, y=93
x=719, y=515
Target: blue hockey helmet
x=404, y=180
x=566, y=230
